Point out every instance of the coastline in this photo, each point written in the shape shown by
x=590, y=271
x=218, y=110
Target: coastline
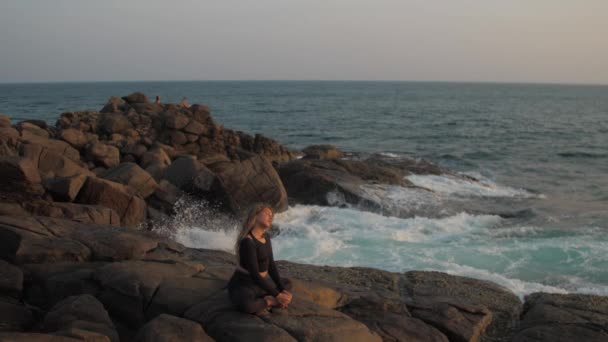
x=65, y=186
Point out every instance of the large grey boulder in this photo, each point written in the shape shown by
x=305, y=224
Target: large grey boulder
x=564, y=317
x=82, y=312
x=134, y=176
x=128, y=205
x=240, y=183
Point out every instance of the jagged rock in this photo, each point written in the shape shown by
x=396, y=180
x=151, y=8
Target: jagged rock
x=12, y=209
x=156, y=155
x=29, y=224
x=166, y=328
x=37, y=337
x=128, y=286
x=130, y=207
x=309, y=183
x=368, y=295
x=56, y=146
x=110, y=123
x=82, y=312
x=104, y=155
x=175, y=120
x=136, y=97
x=169, y=150
x=38, y=123
x=213, y=158
x=325, y=296
x=5, y=121
x=337, y=181
x=437, y=287
x=302, y=321
x=391, y=320
x=191, y=139
x=165, y=197
x=11, y=280
x=26, y=241
x=84, y=121
x=459, y=322
x=114, y=105
x=156, y=170
x=106, y=243
x=78, y=212
x=6, y=148
x=129, y=158
x=149, y=109
x=65, y=188
x=175, y=296
x=74, y=137
x=240, y=183
x=51, y=164
x=31, y=131
x=116, y=139
x=136, y=150
x=134, y=176
x=189, y=175
x=196, y=128
x=9, y=141
x=9, y=133
x=15, y=317
x=224, y=323
x=322, y=152
x=267, y=147
x=564, y=317
x=19, y=174
x=48, y=284
x=175, y=138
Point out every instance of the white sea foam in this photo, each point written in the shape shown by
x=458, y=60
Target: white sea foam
x=462, y=187
x=201, y=238
x=389, y=154
x=524, y=259
x=403, y=201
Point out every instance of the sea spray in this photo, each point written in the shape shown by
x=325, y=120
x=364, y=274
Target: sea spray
x=199, y=224
x=522, y=258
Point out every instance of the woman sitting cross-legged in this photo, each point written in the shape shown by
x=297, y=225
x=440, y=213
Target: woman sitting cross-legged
x=255, y=286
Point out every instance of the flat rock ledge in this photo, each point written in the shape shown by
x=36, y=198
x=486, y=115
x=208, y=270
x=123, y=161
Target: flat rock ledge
x=64, y=280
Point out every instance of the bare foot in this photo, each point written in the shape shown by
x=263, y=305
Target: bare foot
x=271, y=301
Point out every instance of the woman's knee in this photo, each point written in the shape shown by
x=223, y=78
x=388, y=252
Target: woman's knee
x=252, y=306
x=246, y=300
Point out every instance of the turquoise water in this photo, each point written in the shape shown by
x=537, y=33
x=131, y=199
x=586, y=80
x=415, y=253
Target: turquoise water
x=541, y=151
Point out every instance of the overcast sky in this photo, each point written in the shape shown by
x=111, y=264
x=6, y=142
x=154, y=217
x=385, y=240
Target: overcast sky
x=556, y=41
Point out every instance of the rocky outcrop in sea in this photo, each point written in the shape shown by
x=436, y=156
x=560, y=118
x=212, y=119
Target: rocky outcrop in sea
x=80, y=262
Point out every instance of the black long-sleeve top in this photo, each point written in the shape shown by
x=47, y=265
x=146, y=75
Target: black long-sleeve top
x=257, y=257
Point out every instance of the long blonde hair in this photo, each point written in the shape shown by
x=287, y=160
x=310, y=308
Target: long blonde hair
x=248, y=224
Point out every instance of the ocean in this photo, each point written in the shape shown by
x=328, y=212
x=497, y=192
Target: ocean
x=537, y=221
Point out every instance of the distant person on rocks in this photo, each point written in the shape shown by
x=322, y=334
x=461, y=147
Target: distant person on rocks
x=185, y=103
x=255, y=286
x=157, y=99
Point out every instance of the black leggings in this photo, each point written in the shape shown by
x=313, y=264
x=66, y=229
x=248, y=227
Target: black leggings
x=246, y=295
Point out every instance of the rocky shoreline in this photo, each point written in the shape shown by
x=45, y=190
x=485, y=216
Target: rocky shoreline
x=79, y=261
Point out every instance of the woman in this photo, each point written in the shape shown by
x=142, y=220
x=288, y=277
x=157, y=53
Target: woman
x=256, y=287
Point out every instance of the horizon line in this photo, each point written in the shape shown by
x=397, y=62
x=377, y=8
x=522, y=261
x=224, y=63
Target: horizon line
x=311, y=80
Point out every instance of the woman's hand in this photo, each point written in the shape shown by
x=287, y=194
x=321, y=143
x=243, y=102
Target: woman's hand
x=288, y=294
x=284, y=299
